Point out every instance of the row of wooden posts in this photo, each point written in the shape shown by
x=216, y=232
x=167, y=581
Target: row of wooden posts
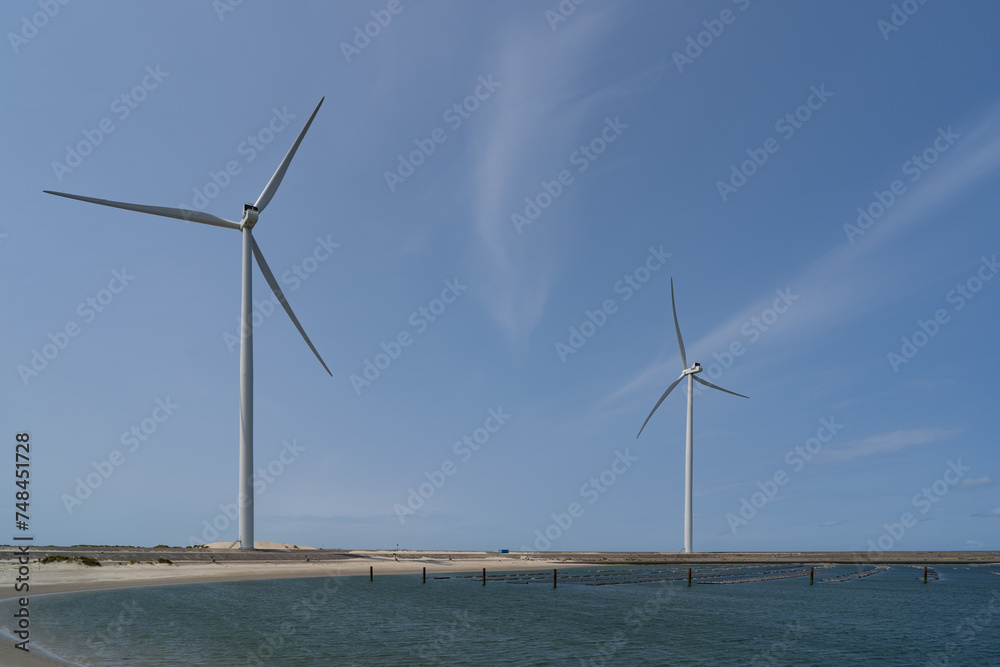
x=371, y=575
x=810, y=575
x=555, y=575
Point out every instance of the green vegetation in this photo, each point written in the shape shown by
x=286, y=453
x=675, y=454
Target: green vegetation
x=104, y=546
x=54, y=559
x=83, y=560
x=167, y=561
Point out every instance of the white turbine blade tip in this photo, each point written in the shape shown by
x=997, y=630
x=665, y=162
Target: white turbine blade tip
x=273, y=284
x=677, y=326
x=713, y=386
x=669, y=389
x=164, y=211
x=272, y=185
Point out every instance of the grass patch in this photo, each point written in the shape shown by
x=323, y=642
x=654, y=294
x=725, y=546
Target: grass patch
x=83, y=560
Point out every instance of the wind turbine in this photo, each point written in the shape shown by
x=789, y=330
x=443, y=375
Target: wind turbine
x=692, y=377
x=245, y=226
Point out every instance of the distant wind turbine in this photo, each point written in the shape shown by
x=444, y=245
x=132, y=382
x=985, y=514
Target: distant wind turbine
x=690, y=374
x=245, y=225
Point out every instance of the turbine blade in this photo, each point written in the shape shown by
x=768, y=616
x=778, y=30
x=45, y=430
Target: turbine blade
x=669, y=389
x=165, y=211
x=272, y=185
x=269, y=277
x=677, y=327
x=709, y=384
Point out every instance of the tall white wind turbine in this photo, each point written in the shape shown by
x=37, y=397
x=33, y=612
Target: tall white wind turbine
x=690, y=374
x=245, y=226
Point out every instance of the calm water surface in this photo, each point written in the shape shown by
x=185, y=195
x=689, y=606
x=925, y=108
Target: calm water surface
x=890, y=618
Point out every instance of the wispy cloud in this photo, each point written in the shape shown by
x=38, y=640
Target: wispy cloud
x=837, y=287
x=538, y=117
x=521, y=131
x=973, y=483
x=827, y=524
x=993, y=512
x=882, y=443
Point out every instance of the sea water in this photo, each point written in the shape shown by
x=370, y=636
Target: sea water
x=891, y=618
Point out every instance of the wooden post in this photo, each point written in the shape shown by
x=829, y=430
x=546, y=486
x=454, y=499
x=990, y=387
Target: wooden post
x=484, y=576
x=553, y=578
x=689, y=576
x=925, y=574
x=425, y=575
x=371, y=573
x=810, y=576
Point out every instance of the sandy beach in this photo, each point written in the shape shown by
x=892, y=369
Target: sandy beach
x=68, y=577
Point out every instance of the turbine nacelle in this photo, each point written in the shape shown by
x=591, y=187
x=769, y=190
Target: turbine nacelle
x=250, y=215
x=694, y=369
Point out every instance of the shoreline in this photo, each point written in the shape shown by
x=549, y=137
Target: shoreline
x=135, y=566
x=58, y=578
x=220, y=565
x=63, y=578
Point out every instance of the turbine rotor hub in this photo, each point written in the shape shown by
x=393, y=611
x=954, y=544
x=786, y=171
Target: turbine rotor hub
x=250, y=214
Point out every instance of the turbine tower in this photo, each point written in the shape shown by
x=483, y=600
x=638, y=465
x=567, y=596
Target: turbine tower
x=245, y=226
x=692, y=377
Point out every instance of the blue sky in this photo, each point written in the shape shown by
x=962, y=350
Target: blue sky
x=494, y=185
